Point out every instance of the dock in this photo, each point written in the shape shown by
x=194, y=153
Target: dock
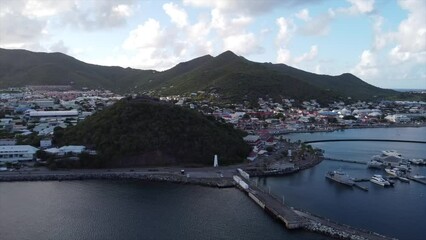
x=298, y=219
x=345, y=160
x=419, y=180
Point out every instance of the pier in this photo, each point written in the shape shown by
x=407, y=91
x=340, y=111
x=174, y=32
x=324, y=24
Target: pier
x=365, y=140
x=345, y=160
x=419, y=180
x=298, y=219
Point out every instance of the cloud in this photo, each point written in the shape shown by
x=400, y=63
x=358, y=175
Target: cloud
x=317, y=26
x=247, y=7
x=358, y=7
x=303, y=15
x=367, y=67
x=283, y=56
x=309, y=56
x=411, y=35
x=147, y=35
x=176, y=14
x=286, y=29
x=243, y=44
x=59, y=46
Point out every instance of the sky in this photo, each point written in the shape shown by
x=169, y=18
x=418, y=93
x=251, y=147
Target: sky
x=382, y=42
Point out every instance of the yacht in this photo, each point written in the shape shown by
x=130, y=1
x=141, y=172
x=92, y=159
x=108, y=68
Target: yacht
x=393, y=171
x=417, y=161
x=375, y=164
x=340, y=177
x=391, y=153
x=419, y=176
x=378, y=179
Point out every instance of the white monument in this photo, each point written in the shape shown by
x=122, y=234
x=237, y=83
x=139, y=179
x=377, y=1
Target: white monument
x=215, y=163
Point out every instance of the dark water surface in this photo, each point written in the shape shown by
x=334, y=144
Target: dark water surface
x=130, y=210
x=397, y=212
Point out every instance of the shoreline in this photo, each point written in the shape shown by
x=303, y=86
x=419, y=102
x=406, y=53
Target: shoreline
x=170, y=178
x=350, y=127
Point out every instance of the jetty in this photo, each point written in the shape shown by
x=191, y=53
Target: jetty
x=345, y=160
x=419, y=180
x=298, y=219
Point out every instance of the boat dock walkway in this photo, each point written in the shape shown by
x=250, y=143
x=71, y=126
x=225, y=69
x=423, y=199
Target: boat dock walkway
x=419, y=180
x=297, y=219
x=345, y=160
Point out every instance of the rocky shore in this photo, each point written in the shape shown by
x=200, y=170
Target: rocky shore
x=173, y=178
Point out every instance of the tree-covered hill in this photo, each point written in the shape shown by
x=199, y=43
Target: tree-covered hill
x=233, y=77
x=19, y=68
x=143, y=131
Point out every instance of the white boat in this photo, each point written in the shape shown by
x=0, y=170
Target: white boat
x=419, y=176
x=391, y=153
x=393, y=171
x=375, y=164
x=378, y=179
x=417, y=161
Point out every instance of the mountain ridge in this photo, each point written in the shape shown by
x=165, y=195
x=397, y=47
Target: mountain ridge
x=231, y=76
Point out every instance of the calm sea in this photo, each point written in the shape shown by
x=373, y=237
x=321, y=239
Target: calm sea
x=134, y=210
x=397, y=212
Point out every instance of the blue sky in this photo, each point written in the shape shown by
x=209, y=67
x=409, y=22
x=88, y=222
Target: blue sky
x=381, y=41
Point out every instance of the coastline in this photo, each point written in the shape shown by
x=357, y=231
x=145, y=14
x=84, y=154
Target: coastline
x=171, y=178
x=350, y=127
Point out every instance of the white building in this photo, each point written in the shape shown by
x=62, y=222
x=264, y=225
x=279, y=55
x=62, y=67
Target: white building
x=66, y=149
x=17, y=153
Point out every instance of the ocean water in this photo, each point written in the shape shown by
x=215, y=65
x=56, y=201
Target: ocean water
x=398, y=212
x=103, y=210
x=142, y=210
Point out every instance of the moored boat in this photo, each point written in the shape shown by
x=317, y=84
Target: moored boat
x=378, y=179
x=340, y=177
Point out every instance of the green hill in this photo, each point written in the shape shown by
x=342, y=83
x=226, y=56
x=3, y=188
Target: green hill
x=233, y=77
x=20, y=68
x=143, y=131
x=237, y=78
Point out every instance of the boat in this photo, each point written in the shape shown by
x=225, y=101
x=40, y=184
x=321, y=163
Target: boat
x=393, y=171
x=403, y=179
x=417, y=161
x=378, y=179
x=419, y=176
x=375, y=164
x=391, y=153
x=340, y=177
x=390, y=159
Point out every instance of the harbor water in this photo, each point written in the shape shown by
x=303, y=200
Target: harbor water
x=148, y=210
x=399, y=211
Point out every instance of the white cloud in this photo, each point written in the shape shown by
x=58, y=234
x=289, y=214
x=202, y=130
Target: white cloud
x=286, y=29
x=317, y=26
x=283, y=56
x=367, y=67
x=243, y=44
x=309, y=56
x=362, y=6
x=147, y=35
x=411, y=35
x=358, y=7
x=176, y=14
x=303, y=15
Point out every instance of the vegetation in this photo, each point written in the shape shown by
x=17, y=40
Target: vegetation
x=234, y=78
x=144, y=131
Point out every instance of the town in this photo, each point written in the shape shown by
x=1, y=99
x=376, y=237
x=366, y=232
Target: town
x=29, y=116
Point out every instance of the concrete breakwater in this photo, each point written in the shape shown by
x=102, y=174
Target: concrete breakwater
x=173, y=178
x=297, y=219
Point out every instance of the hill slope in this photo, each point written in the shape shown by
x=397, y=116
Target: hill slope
x=233, y=77
x=143, y=131
x=237, y=78
x=20, y=68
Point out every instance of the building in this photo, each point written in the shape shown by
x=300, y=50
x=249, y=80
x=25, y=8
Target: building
x=13, y=153
x=253, y=140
